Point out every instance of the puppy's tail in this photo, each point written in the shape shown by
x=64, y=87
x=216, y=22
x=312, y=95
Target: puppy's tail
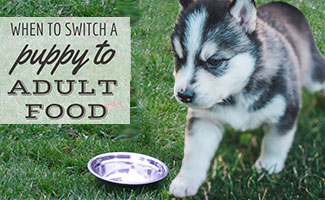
x=315, y=79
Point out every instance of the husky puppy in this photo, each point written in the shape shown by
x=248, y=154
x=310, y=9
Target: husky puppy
x=242, y=66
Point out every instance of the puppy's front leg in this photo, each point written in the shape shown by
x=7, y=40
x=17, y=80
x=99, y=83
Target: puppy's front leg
x=202, y=138
x=275, y=147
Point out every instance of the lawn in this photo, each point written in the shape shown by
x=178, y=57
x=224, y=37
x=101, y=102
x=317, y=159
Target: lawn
x=50, y=161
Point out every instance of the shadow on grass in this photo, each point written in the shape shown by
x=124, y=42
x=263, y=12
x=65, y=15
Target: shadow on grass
x=320, y=102
x=109, y=187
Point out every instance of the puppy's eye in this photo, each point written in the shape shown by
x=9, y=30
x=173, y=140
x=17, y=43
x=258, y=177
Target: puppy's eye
x=214, y=62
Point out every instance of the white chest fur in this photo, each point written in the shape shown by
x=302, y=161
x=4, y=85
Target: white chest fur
x=239, y=117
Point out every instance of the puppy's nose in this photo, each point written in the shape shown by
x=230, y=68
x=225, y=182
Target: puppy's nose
x=185, y=96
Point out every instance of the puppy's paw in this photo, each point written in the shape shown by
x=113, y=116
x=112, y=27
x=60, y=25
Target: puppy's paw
x=272, y=165
x=184, y=185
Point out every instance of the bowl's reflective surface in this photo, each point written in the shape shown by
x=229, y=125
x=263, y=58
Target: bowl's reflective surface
x=127, y=168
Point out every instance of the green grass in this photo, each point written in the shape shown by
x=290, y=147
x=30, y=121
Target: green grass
x=50, y=161
x=77, y=8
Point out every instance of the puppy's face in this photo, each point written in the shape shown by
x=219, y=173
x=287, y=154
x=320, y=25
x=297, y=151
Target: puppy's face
x=214, y=51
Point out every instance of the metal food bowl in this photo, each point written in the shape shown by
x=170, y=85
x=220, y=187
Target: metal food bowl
x=127, y=168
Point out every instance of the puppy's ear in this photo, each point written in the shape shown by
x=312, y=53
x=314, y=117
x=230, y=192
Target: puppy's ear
x=185, y=3
x=244, y=12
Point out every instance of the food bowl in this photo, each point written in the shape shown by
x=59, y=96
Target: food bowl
x=127, y=168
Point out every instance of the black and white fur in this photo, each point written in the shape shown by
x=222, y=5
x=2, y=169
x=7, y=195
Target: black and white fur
x=242, y=66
